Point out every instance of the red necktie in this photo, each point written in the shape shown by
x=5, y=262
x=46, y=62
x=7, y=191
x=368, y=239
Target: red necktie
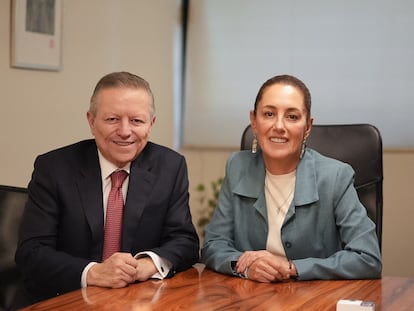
x=114, y=209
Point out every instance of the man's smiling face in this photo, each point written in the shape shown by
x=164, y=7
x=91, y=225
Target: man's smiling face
x=122, y=123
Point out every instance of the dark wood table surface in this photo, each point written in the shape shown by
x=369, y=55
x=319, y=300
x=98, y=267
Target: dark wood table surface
x=202, y=289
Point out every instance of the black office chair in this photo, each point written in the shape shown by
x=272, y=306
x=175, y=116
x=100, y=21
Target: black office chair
x=12, y=202
x=360, y=145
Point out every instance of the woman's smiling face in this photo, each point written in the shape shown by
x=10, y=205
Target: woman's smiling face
x=281, y=124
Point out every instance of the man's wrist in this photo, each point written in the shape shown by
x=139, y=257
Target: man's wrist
x=84, y=276
x=162, y=265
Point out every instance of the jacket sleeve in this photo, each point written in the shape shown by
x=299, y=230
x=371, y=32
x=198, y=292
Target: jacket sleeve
x=219, y=250
x=179, y=241
x=357, y=254
x=47, y=270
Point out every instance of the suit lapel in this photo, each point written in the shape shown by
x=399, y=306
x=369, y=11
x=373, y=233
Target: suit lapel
x=90, y=189
x=252, y=184
x=141, y=182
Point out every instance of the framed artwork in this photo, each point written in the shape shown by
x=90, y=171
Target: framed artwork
x=36, y=29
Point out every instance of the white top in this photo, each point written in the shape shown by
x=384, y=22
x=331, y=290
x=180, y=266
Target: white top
x=279, y=190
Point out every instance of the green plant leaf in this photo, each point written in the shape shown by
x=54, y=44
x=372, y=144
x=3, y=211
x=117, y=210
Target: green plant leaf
x=208, y=203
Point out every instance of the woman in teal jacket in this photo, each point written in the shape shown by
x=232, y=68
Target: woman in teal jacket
x=285, y=211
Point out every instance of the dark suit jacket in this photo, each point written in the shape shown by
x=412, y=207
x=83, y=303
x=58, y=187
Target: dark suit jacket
x=63, y=226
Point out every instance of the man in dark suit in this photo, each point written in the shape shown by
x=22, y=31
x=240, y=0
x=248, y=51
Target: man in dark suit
x=62, y=232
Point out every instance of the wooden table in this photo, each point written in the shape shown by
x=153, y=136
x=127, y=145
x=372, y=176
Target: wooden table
x=202, y=289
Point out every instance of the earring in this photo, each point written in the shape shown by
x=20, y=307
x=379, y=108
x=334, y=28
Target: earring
x=254, y=144
x=303, y=148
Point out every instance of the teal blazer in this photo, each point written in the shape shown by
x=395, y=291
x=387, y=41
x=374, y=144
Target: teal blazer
x=326, y=231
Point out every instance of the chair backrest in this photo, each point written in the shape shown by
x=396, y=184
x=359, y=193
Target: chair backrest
x=12, y=202
x=360, y=145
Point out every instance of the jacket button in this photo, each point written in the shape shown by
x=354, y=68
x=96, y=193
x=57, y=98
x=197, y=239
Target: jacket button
x=288, y=244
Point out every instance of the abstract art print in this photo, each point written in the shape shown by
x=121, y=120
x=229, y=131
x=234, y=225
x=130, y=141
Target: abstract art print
x=36, y=28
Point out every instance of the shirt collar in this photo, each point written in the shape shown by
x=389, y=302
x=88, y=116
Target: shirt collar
x=107, y=167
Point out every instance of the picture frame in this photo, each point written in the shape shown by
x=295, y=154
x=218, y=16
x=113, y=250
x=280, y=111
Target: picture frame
x=36, y=34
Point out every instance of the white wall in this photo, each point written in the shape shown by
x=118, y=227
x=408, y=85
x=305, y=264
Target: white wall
x=355, y=57
x=43, y=110
x=398, y=229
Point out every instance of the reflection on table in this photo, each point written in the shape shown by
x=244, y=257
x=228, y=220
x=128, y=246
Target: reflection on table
x=202, y=289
